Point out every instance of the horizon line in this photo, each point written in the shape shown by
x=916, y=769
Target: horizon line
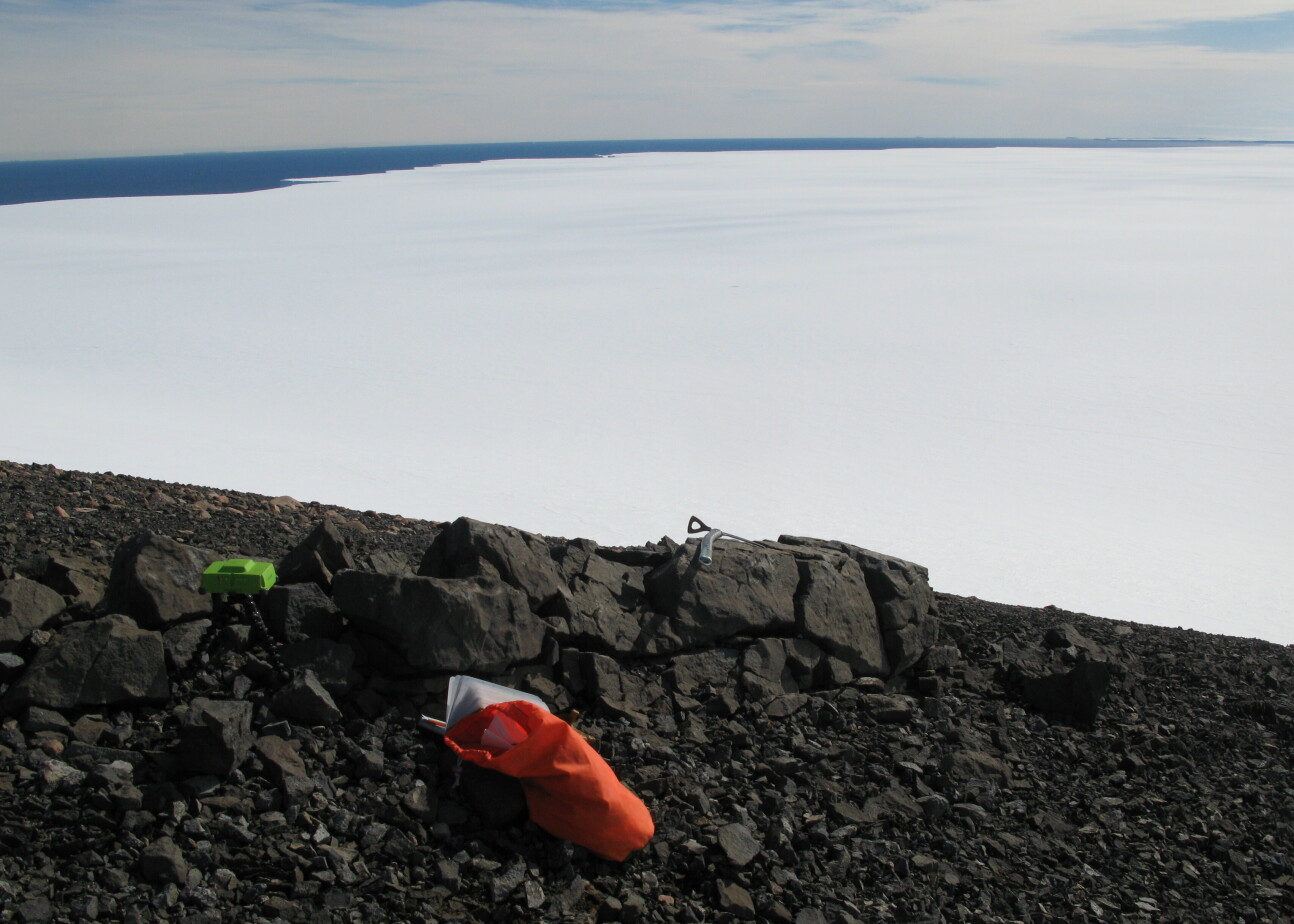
x=949, y=140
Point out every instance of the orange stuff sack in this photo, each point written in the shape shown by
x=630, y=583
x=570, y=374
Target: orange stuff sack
x=571, y=791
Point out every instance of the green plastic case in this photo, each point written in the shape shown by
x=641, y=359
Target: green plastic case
x=238, y=576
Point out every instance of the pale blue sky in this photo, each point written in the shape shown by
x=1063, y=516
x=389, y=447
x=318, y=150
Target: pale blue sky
x=87, y=77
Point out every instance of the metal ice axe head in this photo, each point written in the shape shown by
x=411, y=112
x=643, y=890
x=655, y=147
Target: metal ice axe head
x=705, y=554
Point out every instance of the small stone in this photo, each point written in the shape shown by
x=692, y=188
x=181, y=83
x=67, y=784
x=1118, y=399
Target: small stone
x=447, y=871
x=738, y=844
x=35, y=911
x=506, y=882
x=736, y=901
x=810, y=916
x=889, y=709
x=609, y=909
x=56, y=775
x=163, y=862
x=933, y=807
x=420, y=802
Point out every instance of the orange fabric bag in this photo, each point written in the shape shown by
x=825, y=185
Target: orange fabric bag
x=571, y=791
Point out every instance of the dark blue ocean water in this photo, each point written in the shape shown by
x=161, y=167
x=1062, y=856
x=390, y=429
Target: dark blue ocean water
x=203, y=174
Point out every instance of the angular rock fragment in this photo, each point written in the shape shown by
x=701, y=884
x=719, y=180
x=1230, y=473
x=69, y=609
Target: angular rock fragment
x=102, y=662
x=216, y=735
x=736, y=900
x=774, y=667
x=71, y=576
x=319, y=556
x=900, y=591
x=156, y=580
x=888, y=708
x=24, y=607
x=45, y=720
x=162, y=861
x=11, y=666
x=282, y=762
x=183, y=641
x=1066, y=636
x=305, y=701
x=976, y=765
x=116, y=780
x=940, y=658
x=617, y=690
x=892, y=803
x=738, y=844
x=295, y=612
x=470, y=548
x=1076, y=693
x=835, y=609
x=332, y=662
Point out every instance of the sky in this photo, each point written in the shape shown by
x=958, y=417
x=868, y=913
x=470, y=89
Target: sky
x=99, y=77
x=1052, y=376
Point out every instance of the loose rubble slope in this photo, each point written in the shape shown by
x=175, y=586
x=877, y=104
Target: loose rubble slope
x=819, y=735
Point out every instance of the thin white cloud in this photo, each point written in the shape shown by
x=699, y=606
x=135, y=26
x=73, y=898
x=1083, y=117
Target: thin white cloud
x=137, y=76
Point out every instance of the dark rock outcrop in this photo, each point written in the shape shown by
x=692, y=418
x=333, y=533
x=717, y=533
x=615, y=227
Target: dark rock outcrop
x=470, y=548
x=745, y=590
x=473, y=624
x=785, y=784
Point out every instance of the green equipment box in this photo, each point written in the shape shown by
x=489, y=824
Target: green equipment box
x=238, y=576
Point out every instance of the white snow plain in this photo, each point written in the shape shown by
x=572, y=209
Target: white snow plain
x=1053, y=376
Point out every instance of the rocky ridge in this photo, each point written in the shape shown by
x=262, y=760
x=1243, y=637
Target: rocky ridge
x=820, y=736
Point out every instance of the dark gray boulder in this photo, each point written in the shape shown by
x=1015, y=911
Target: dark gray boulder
x=470, y=548
x=305, y=701
x=183, y=641
x=834, y=608
x=319, y=556
x=79, y=579
x=476, y=624
x=106, y=661
x=162, y=861
x=889, y=708
x=215, y=735
x=24, y=607
x=282, y=763
x=156, y=580
x=299, y=611
x=1076, y=693
x=745, y=590
x=906, y=646
x=901, y=594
